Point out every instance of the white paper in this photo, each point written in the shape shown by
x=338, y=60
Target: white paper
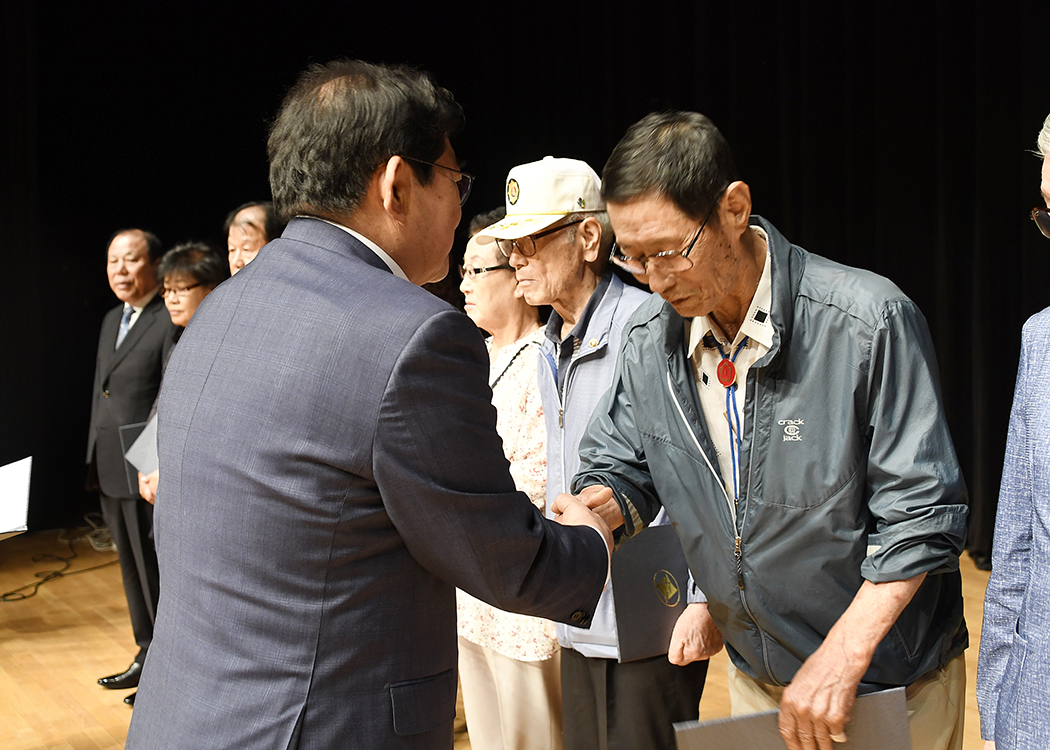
x=143, y=452
x=14, y=496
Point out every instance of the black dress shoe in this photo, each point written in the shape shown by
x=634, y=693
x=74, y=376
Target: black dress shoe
x=130, y=699
x=126, y=679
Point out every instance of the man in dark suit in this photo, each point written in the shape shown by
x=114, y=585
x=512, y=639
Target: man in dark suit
x=330, y=469
x=133, y=344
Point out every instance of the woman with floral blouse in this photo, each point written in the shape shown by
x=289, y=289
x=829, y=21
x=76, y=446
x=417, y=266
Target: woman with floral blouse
x=508, y=663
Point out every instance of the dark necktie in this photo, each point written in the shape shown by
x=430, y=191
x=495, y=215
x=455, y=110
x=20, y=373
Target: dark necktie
x=125, y=323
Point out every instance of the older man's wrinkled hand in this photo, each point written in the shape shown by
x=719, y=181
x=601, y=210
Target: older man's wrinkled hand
x=694, y=637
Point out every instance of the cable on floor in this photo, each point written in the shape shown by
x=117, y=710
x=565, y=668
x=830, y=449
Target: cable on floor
x=97, y=535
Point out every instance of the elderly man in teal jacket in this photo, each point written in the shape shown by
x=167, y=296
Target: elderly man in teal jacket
x=785, y=411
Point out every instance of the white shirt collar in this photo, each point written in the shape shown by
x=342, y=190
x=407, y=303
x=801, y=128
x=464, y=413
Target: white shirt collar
x=390, y=262
x=139, y=304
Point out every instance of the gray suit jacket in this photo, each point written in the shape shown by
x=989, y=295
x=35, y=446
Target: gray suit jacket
x=1013, y=673
x=126, y=383
x=330, y=472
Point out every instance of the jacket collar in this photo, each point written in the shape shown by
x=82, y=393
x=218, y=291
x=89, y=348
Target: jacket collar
x=787, y=265
x=599, y=321
x=322, y=234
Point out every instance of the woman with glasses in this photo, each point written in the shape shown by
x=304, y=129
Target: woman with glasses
x=1013, y=671
x=508, y=663
x=187, y=274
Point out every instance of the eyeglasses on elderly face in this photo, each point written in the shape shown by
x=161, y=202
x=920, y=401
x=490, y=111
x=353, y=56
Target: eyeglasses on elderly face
x=464, y=183
x=1041, y=217
x=669, y=261
x=526, y=246
x=469, y=272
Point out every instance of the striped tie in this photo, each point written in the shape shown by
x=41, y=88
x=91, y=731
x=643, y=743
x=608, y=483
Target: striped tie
x=125, y=323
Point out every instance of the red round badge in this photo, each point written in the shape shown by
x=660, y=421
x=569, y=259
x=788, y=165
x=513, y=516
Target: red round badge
x=726, y=372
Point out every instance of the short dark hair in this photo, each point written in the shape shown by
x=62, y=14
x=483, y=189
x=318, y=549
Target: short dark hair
x=680, y=155
x=342, y=120
x=198, y=260
x=486, y=219
x=274, y=224
x=153, y=244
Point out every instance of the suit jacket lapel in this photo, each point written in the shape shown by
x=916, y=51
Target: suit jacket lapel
x=107, y=338
x=145, y=321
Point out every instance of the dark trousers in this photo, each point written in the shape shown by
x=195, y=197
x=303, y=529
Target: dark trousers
x=610, y=706
x=130, y=520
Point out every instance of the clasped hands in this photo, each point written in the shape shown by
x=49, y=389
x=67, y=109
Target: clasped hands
x=695, y=636
x=571, y=510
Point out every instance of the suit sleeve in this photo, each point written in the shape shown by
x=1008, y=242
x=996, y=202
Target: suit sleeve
x=1011, y=555
x=447, y=487
x=916, y=492
x=611, y=452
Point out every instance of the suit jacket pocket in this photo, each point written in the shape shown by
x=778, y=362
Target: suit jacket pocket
x=423, y=704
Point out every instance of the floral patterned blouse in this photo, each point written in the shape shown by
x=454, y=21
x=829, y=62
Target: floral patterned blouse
x=519, y=421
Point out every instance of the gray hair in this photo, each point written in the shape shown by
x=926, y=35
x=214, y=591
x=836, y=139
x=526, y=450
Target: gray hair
x=679, y=155
x=1043, y=141
x=602, y=218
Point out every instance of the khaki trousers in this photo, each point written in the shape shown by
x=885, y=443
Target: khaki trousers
x=510, y=704
x=936, y=703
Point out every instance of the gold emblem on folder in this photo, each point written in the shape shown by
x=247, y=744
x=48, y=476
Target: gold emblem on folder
x=667, y=588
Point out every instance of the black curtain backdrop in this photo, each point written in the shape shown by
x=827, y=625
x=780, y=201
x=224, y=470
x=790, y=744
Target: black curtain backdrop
x=897, y=140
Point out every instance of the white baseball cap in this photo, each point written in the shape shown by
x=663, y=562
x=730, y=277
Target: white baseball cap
x=542, y=192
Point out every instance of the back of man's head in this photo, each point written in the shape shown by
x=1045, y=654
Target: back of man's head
x=680, y=155
x=341, y=121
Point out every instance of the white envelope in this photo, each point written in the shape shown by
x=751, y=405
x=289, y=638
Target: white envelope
x=14, y=497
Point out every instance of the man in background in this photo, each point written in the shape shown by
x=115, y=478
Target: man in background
x=247, y=229
x=132, y=347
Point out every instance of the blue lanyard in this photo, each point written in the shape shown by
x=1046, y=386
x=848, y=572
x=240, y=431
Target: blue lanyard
x=735, y=448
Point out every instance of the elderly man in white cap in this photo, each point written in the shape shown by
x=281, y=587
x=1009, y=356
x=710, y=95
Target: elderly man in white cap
x=557, y=237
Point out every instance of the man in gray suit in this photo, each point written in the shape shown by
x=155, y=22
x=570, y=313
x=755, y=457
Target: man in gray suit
x=330, y=467
x=135, y=339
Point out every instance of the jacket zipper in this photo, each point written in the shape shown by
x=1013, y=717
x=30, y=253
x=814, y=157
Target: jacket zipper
x=747, y=500
x=738, y=553
x=561, y=393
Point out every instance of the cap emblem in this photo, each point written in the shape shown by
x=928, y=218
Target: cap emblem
x=513, y=191
x=581, y=202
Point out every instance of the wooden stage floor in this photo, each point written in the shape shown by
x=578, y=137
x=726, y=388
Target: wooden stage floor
x=53, y=646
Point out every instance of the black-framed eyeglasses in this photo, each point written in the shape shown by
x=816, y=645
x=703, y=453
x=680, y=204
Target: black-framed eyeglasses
x=526, y=246
x=180, y=293
x=669, y=261
x=1041, y=217
x=469, y=272
x=464, y=183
